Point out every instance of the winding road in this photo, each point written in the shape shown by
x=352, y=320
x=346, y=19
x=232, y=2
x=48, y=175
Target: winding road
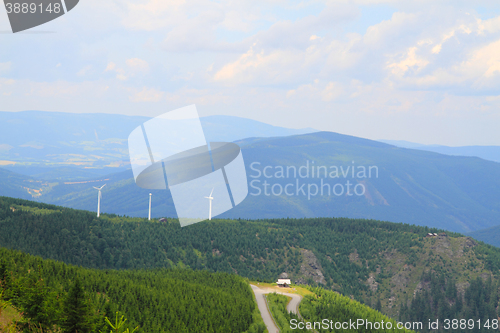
x=293, y=305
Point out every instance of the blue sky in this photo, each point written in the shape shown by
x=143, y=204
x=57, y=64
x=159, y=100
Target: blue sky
x=426, y=71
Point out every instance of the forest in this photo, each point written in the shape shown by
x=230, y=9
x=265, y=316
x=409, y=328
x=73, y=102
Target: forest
x=471, y=311
x=341, y=309
x=56, y=297
x=380, y=264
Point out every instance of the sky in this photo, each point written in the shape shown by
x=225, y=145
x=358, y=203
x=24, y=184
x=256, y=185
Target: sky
x=421, y=71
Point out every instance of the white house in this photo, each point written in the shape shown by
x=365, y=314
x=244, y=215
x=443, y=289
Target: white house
x=284, y=282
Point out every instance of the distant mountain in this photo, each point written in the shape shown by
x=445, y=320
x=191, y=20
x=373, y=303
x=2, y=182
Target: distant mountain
x=405, y=185
x=120, y=196
x=490, y=153
x=489, y=235
x=19, y=186
x=31, y=141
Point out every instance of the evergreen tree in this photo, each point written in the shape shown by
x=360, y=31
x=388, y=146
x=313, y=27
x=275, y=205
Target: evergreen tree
x=378, y=307
x=76, y=311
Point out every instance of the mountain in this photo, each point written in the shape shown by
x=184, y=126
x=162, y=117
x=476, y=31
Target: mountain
x=19, y=186
x=397, y=268
x=489, y=235
x=405, y=185
x=490, y=153
x=396, y=184
x=86, y=144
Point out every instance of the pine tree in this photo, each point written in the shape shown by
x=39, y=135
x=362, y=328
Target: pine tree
x=76, y=311
x=378, y=307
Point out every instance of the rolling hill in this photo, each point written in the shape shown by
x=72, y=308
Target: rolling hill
x=396, y=268
x=411, y=186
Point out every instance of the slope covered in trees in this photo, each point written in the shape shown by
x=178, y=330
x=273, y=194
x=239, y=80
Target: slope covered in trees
x=343, y=314
x=379, y=263
x=53, y=295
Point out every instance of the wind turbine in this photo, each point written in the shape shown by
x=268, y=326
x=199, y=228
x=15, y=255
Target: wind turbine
x=99, y=199
x=210, y=198
x=149, y=216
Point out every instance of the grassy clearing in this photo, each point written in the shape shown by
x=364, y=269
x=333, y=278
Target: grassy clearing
x=293, y=289
x=7, y=316
x=34, y=210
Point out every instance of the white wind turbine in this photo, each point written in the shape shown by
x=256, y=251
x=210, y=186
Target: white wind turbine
x=99, y=199
x=210, y=198
x=149, y=215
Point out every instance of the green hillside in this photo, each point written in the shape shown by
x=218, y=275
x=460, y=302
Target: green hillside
x=157, y=301
x=39, y=292
x=381, y=264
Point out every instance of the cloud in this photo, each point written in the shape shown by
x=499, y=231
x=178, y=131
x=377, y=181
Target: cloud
x=152, y=15
x=317, y=91
x=137, y=65
x=133, y=67
x=411, y=61
x=147, y=95
x=343, y=61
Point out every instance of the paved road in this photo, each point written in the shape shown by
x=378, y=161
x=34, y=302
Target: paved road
x=293, y=306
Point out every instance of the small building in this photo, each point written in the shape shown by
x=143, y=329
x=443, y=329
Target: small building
x=284, y=282
x=443, y=234
x=429, y=235
x=163, y=219
x=435, y=234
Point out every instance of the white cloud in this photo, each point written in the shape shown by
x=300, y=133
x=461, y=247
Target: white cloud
x=152, y=15
x=147, y=95
x=326, y=92
x=137, y=65
x=411, y=61
x=133, y=67
x=266, y=60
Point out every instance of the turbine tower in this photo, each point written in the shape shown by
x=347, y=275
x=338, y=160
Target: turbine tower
x=210, y=198
x=99, y=199
x=149, y=216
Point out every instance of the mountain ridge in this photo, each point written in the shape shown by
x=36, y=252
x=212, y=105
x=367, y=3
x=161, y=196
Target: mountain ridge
x=450, y=192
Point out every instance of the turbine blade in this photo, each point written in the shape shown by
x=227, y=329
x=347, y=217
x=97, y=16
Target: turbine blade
x=212, y=191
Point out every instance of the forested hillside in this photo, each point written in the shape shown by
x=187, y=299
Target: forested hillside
x=341, y=309
x=51, y=294
x=378, y=263
x=404, y=185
